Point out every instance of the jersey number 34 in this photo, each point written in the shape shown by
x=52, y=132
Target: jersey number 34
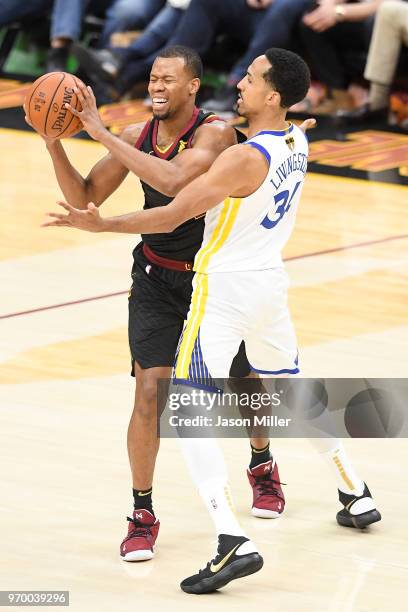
x=283, y=200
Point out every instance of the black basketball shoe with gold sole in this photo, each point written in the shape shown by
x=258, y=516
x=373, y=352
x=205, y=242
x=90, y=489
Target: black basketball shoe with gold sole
x=236, y=557
x=358, y=512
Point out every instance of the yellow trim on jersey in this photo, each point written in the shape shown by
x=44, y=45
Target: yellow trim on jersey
x=190, y=333
x=199, y=298
x=182, y=145
x=222, y=230
x=163, y=149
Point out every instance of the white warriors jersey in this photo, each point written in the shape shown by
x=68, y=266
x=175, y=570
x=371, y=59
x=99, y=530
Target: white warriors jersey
x=249, y=233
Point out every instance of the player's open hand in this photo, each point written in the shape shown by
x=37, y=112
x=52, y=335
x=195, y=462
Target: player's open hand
x=308, y=124
x=89, y=115
x=88, y=220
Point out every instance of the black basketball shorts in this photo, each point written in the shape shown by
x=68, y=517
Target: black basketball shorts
x=159, y=301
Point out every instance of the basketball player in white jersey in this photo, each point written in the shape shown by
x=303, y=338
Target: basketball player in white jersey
x=250, y=195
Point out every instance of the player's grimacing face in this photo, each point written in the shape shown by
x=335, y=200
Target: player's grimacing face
x=171, y=86
x=253, y=89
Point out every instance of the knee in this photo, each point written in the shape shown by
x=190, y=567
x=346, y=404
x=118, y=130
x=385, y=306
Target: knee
x=390, y=12
x=146, y=400
x=149, y=393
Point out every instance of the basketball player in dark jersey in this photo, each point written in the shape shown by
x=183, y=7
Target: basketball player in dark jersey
x=274, y=82
x=177, y=145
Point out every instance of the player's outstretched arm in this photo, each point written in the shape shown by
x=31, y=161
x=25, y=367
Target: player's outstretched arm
x=237, y=172
x=165, y=176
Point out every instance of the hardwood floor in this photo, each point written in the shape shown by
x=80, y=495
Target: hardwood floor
x=66, y=395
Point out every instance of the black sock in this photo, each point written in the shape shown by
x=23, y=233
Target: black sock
x=259, y=455
x=142, y=500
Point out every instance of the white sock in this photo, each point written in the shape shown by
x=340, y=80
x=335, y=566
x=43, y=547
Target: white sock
x=216, y=495
x=209, y=473
x=333, y=452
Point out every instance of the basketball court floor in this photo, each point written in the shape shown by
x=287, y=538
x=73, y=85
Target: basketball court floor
x=66, y=396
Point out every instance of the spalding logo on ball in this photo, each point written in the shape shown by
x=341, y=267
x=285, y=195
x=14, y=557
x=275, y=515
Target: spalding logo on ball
x=45, y=105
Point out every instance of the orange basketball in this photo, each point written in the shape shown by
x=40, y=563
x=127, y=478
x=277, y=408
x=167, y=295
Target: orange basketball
x=45, y=101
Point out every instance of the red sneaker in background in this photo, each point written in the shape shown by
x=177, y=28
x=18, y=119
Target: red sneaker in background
x=268, y=498
x=142, y=533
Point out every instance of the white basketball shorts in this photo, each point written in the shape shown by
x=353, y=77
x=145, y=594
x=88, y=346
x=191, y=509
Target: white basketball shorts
x=227, y=308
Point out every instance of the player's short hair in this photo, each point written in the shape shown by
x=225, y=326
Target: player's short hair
x=289, y=75
x=191, y=59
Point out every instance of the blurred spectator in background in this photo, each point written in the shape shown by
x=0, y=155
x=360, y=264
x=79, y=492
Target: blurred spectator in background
x=390, y=33
x=331, y=33
x=123, y=15
x=66, y=22
x=259, y=24
x=115, y=63
x=66, y=27
x=15, y=10
x=67, y=17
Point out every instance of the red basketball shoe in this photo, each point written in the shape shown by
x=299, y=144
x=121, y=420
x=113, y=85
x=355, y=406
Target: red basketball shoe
x=142, y=533
x=268, y=498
